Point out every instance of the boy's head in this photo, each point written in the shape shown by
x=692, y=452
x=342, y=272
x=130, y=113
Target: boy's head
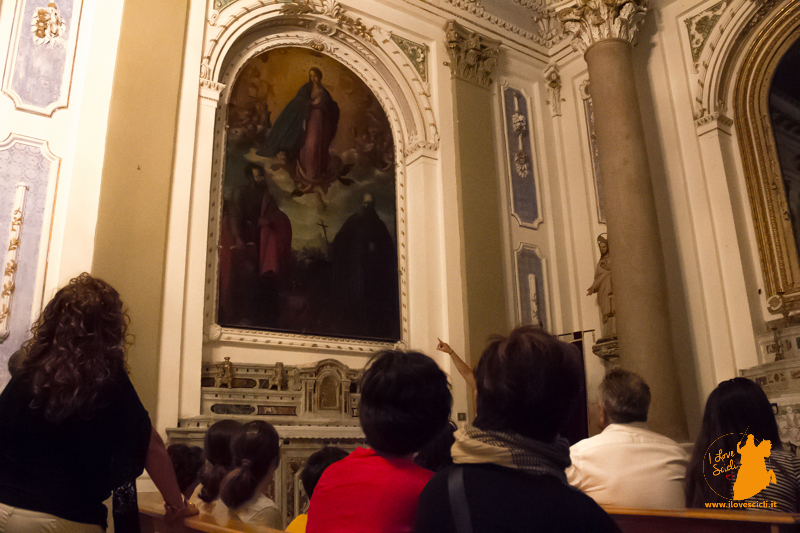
x=186, y=461
x=405, y=401
x=316, y=464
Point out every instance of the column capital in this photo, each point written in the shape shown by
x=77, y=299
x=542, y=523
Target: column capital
x=473, y=57
x=592, y=21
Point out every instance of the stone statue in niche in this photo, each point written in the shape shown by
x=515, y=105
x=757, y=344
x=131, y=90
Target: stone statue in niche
x=602, y=287
x=328, y=393
x=225, y=373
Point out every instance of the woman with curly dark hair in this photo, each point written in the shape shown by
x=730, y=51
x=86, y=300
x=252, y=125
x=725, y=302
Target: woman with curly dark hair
x=73, y=426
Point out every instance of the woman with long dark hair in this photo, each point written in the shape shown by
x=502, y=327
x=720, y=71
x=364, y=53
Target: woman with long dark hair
x=256, y=452
x=735, y=411
x=73, y=428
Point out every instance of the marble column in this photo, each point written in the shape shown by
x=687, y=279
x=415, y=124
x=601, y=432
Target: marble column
x=605, y=34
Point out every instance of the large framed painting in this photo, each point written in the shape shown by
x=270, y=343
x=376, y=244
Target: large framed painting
x=307, y=240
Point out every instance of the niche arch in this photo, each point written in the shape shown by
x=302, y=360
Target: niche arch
x=235, y=37
x=778, y=252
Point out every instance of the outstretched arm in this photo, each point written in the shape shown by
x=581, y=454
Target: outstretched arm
x=159, y=466
x=461, y=366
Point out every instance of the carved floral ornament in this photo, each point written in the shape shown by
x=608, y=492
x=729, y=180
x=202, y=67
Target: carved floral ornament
x=592, y=21
x=333, y=9
x=473, y=57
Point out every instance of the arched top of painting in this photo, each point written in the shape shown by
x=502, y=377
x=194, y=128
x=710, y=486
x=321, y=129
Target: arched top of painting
x=371, y=56
x=279, y=94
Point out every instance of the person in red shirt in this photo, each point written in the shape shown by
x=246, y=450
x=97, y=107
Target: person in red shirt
x=405, y=403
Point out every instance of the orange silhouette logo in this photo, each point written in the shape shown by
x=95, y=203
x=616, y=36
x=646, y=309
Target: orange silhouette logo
x=753, y=474
x=750, y=471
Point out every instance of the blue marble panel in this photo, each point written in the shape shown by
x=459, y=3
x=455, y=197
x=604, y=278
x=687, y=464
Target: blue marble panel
x=524, y=200
x=39, y=69
x=531, y=286
x=25, y=163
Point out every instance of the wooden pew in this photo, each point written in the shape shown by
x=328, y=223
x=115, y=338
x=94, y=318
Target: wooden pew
x=703, y=520
x=151, y=520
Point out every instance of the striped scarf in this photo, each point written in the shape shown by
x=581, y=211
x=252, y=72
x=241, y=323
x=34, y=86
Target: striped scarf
x=474, y=446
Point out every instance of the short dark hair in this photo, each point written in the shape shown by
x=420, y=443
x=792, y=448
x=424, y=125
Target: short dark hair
x=625, y=396
x=186, y=461
x=527, y=383
x=316, y=464
x=436, y=454
x=405, y=401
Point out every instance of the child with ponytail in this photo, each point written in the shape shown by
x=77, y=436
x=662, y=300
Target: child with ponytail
x=244, y=490
x=219, y=461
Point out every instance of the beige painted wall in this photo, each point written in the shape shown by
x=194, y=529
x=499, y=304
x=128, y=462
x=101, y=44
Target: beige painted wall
x=134, y=195
x=485, y=288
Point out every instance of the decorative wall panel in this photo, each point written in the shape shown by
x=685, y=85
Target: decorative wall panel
x=524, y=196
x=38, y=71
x=27, y=168
x=416, y=53
x=532, y=286
x=593, y=151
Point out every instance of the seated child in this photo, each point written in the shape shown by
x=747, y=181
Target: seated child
x=187, y=463
x=316, y=464
x=219, y=461
x=405, y=402
x=256, y=452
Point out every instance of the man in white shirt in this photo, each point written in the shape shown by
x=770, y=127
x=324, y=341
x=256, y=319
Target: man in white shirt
x=627, y=465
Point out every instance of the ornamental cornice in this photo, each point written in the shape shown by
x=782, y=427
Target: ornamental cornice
x=473, y=57
x=548, y=30
x=593, y=21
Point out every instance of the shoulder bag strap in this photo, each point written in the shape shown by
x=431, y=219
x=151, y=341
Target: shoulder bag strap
x=458, y=500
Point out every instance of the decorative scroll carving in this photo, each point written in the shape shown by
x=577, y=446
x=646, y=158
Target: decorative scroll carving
x=700, y=26
x=416, y=53
x=10, y=265
x=554, y=89
x=592, y=21
x=333, y=9
x=472, y=56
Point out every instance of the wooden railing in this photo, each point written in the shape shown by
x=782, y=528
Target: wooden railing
x=703, y=520
x=151, y=520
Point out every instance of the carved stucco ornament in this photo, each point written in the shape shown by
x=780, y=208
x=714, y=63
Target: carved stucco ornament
x=333, y=9
x=592, y=21
x=473, y=57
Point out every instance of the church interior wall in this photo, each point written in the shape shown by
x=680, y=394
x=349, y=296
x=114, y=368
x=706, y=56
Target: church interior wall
x=73, y=134
x=131, y=230
x=126, y=205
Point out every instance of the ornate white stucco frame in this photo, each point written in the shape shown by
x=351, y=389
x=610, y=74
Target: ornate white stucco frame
x=245, y=29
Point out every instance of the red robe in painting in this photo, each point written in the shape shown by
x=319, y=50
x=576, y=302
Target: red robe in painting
x=276, y=237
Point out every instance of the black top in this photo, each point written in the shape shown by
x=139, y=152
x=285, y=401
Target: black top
x=504, y=500
x=69, y=469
